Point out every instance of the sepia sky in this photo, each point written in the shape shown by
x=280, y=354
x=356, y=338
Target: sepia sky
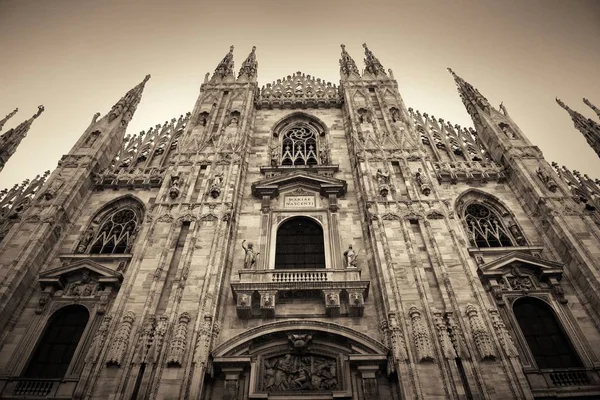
x=77, y=57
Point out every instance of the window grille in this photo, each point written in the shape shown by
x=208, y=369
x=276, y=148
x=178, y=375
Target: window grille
x=116, y=233
x=300, y=245
x=299, y=146
x=58, y=344
x=548, y=343
x=485, y=227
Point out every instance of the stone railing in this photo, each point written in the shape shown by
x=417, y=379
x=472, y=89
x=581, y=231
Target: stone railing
x=34, y=387
x=299, y=275
x=569, y=378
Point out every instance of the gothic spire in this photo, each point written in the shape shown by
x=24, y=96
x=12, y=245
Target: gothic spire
x=586, y=101
x=249, y=66
x=13, y=137
x=469, y=94
x=8, y=116
x=588, y=127
x=347, y=64
x=372, y=64
x=128, y=103
x=225, y=67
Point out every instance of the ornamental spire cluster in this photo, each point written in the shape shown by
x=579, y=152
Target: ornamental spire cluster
x=127, y=105
x=372, y=64
x=587, y=126
x=347, y=64
x=10, y=140
x=469, y=94
x=225, y=67
x=249, y=66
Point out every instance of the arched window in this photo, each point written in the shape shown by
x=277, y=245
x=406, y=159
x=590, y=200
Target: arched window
x=55, y=350
x=300, y=245
x=547, y=341
x=299, y=145
x=485, y=227
x=116, y=232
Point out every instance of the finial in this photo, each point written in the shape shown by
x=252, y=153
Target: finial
x=146, y=78
x=8, y=116
x=593, y=107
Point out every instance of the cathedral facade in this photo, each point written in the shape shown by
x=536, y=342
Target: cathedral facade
x=302, y=240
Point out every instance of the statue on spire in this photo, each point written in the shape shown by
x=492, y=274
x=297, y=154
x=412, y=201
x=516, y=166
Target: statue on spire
x=347, y=64
x=225, y=67
x=249, y=66
x=13, y=137
x=372, y=64
x=589, y=104
x=8, y=116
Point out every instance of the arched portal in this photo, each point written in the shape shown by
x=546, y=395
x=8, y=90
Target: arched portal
x=300, y=245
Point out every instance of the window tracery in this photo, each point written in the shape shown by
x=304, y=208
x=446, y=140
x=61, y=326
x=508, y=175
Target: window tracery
x=113, y=230
x=485, y=227
x=299, y=145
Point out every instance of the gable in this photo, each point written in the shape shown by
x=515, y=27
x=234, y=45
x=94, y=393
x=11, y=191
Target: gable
x=297, y=91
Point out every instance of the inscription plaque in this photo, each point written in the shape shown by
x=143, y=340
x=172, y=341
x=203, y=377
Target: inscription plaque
x=299, y=201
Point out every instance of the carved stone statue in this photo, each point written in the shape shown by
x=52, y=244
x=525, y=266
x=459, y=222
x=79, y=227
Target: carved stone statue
x=174, y=189
x=547, y=179
x=382, y=177
x=274, y=155
x=215, y=187
x=250, y=257
x=423, y=182
x=86, y=238
x=350, y=257
x=324, y=155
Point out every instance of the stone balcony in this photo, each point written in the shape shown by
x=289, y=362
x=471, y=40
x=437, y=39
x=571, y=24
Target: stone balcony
x=257, y=291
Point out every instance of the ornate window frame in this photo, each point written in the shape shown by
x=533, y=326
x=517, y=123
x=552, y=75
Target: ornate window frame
x=510, y=227
x=517, y=275
x=314, y=129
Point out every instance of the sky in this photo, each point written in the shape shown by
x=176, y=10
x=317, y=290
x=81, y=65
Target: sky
x=78, y=57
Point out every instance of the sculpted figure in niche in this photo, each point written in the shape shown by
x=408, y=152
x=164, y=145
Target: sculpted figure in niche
x=324, y=155
x=215, y=187
x=350, y=257
x=382, y=177
x=87, y=237
x=274, y=153
x=250, y=257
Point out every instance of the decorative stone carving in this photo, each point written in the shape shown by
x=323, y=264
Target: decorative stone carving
x=174, y=188
x=250, y=256
x=98, y=342
x=547, y=179
x=458, y=340
x=244, y=304
x=179, y=341
x=332, y=302
x=443, y=336
x=423, y=182
x=121, y=340
x=508, y=131
x=274, y=155
x=298, y=90
x=216, y=185
x=356, y=303
x=205, y=335
x=324, y=154
x=516, y=232
x=394, y=339
x=43, y=301
x=86, y=239
x=505, y=340
x=145, y=340
x=300, y=342
x=299, y=373
x=350, y=258
x=267, y=303
x=383, y=179
x=420, y=336
x=558, y=290
x=53, y=188
x=481, y=336
x=84, y=287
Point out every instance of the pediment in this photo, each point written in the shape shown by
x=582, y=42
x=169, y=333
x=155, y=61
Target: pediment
x=542, y=269
x=325, y=185
x=58, y=277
